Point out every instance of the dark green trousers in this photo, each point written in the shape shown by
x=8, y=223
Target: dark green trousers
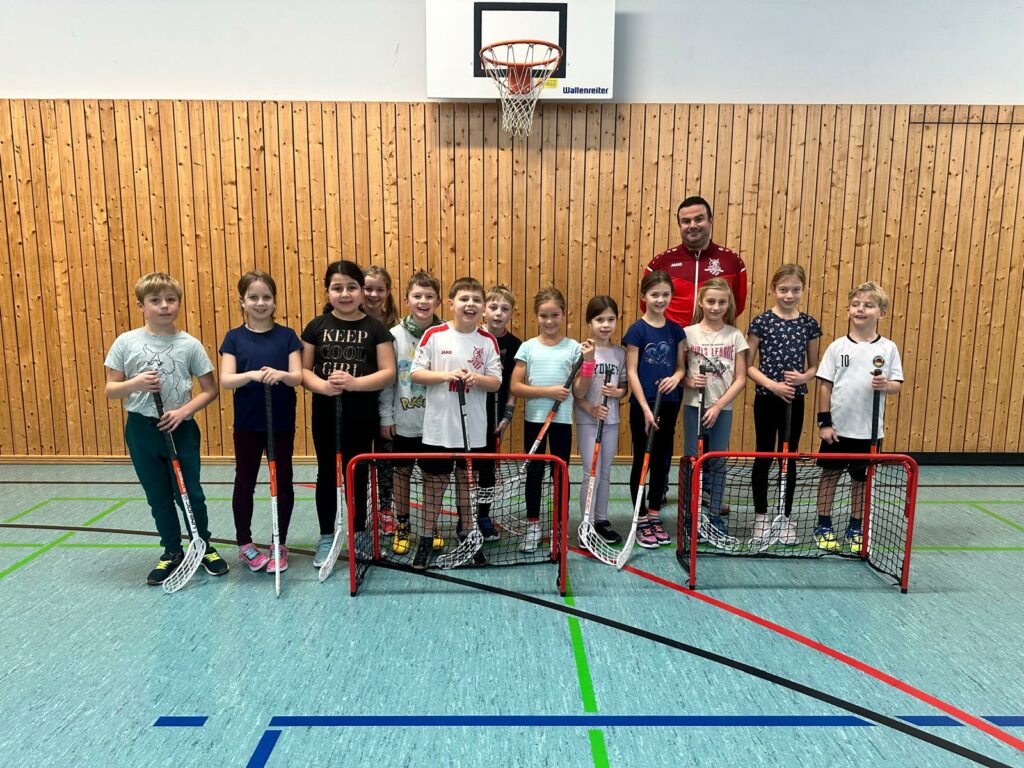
x=152, y=461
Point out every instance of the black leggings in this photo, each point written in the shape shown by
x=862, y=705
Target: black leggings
x=559, y=441
x=248, y=460
x=661, y=451
x=769, y=429
x=358, y=429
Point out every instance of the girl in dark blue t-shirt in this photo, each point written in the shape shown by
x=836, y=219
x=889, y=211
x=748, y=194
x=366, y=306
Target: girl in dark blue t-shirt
x=655, y=362
x=257, y=353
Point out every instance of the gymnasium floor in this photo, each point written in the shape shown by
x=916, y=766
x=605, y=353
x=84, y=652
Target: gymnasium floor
x=769, y=663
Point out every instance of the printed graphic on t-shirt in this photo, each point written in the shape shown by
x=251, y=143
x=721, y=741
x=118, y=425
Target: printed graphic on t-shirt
x=175, y=379
x=660, y=353
x=717, y=358
x=477, y=358
x=343, y=350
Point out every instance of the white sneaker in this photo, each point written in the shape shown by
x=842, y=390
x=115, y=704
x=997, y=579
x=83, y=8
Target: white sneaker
x=531, y=540
x=787, y=532
x=761, y=527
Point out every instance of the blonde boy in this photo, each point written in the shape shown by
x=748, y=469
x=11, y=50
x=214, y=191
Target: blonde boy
x=852, y=370
x=158, y=358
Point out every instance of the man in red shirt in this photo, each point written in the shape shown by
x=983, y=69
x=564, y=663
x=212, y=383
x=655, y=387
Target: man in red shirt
x=697, y=260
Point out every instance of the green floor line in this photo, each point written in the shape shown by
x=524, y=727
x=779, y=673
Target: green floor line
x=918, y=548
x=980, y=507
x=104, y=513
x=27, y=511
x=86, y=545
x=971, y=502
x=25, y=560
x=598, y=751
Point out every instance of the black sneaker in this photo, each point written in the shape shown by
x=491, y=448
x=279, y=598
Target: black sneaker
x=214, y=564
x=490, y=533
x=607, y=533
x=168, y=564
x=423, y=550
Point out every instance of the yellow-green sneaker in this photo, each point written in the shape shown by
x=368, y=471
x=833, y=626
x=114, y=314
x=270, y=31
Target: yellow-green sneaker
x=827, y=540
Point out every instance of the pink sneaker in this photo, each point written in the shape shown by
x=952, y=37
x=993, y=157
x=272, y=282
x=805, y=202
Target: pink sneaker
x=280, y=563
x=252, y=557
x=645, y=535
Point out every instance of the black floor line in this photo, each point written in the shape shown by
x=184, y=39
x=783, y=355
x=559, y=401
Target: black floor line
x=762, y=674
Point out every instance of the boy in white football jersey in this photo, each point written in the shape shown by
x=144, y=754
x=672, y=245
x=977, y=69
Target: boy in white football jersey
x=457, y=350
x=852, y=369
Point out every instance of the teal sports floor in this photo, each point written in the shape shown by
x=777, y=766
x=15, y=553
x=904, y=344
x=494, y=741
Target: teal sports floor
x=769, y=663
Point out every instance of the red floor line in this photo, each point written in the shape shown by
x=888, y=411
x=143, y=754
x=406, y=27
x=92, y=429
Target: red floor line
x=907, y=688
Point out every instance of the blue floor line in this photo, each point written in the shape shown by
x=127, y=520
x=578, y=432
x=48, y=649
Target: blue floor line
x=261, y=755
x=197, y=721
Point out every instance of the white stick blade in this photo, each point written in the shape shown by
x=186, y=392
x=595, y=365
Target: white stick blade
x=462, y=554
x=595, y=545
x=187, y=569
x=332, y=558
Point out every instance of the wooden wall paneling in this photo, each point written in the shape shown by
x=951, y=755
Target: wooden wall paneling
x=375, y=176
x=360, y=186
x=605, y=265
x=208, y=268
x=1012, y=359
x=258, y=188
x=709, y=161
x=63, y=397
x=403, y=200
x=191, y=316
x=495, y=272
x=534, y=201
x=818, y=275
x=50, y=256
x=12, y=422
x=842, y=213
x=662, y=231
x=462, y=212
x=134, y=138
x=586, y=261
x=346, y=185
x=474, y=192
x=88, y=320
x=38, y=425
x=725, y=121
x=941, y=391
x=157, y=187
x=243, y=136
x=972, y=309
x=72, y=410
x=693, y=180
x=796, y=154
x=161, y=138
x=619, y=175
x=307, y=262
x=647, y=192
x=225, y=297
x=432, y=117
x=332, y=180
x=446, y=182
x=317, y=193
x=729, y=220
x=934, y=290
x=635, y=258
x=915, y=387
x=419, y=189
x=87, y=139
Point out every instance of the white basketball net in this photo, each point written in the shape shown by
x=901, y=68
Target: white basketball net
x=519, y=69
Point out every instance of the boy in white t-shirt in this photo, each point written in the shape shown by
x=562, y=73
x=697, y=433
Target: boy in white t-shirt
x=449, y=353
x=852, y=370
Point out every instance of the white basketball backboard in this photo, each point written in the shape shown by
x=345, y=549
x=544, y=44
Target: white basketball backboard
x=457, y=29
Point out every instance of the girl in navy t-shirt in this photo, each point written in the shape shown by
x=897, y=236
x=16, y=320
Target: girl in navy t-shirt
x=655, y=359
x=257, y=353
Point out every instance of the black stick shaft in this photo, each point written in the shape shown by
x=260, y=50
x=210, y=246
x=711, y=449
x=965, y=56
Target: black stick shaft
x=268, y=401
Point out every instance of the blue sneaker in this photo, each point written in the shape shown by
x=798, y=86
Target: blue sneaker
x=323, y=548
x=826, y=539
x=856, y=538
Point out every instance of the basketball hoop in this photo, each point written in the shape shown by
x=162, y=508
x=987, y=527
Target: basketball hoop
x=519, y=68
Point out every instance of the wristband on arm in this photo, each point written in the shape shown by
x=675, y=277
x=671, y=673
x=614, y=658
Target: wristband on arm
x=824, y=419
x=509, y=410
x=588, y=367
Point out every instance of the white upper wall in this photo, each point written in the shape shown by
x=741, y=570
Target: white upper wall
x=741, y=51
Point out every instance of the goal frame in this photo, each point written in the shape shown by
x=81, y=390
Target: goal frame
x=687, y=553
x=559, y=516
